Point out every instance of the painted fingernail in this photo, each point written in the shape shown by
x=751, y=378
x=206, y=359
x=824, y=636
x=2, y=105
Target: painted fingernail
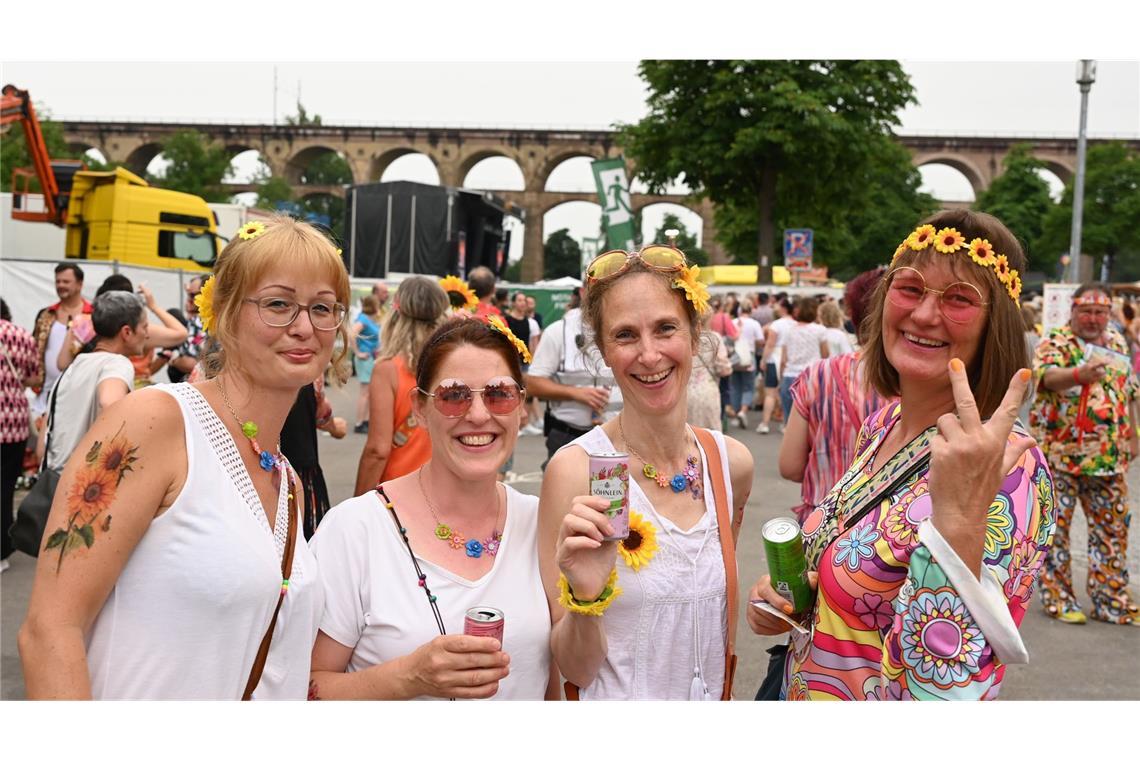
x=957, y=365
x=1024, y=374
x=788, y=608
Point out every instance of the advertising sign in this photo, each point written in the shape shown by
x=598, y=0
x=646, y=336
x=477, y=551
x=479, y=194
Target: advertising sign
x=797, y=250
x=613, y=195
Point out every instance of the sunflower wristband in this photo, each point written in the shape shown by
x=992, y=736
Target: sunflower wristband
x=595, y=608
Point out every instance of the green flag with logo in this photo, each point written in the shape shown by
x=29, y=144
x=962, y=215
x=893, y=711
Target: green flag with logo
x=613, y=194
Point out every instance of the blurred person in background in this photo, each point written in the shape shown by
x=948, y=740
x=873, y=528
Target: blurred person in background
x=365, y=333
x=51, y=326
x=748, y=346
x=773, y=335
x=185, y=358
x=482, y=280
x=803, y=343
x=839, y=341
x=19, y=369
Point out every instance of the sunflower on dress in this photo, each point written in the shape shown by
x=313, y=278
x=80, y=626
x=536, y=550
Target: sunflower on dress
x=641, y=544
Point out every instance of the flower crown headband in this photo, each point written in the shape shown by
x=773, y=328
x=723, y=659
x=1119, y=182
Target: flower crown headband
x=497, y=324
x=1092, y=298
x=948, y=240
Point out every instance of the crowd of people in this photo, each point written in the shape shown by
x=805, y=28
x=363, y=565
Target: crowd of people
x=192, y=551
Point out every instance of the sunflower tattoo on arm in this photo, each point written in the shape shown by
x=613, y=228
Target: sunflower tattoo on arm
x=91, y=493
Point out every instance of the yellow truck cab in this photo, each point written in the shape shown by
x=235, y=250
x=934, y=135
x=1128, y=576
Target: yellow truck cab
x=117, y=215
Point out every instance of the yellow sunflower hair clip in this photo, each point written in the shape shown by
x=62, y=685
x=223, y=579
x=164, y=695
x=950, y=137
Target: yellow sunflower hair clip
x=251, y=230
x=949, y=240
x=695, y=290
x=497, y=324
x=205, y=303
x=458, y=293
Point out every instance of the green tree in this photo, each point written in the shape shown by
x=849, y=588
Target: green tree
x=749, y=133
x=1110, y=224
x=686, y=240
x=513, y=272
x=849, y=237
x=1019, y=197
x=302, y=118
x=197, y=166
x=562, y=256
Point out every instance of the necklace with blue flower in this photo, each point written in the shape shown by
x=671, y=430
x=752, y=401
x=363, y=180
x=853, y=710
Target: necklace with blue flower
x=474, y=548
x=266, y=460
x=689, y=477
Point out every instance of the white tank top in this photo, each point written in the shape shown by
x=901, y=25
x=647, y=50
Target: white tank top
x=671, y=621
x=189, y=610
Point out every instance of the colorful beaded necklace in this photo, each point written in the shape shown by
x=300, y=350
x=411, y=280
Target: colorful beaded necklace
x=268, y=462
x=689, y=477
x=444, y=532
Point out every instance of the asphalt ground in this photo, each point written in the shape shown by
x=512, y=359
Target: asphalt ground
x=1095, y=661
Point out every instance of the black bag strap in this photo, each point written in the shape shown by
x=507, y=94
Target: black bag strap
x=51, y=418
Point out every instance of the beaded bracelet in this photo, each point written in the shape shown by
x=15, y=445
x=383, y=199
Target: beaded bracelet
x=1077, y=375
x=595, y=608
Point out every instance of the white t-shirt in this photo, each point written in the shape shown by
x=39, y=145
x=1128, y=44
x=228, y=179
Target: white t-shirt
x=802, y=343
x=779, y=329
x=838, y=342
x=51, y=366
x=374, y=604
x=750, y=332
x=77, y=399
x=559, y=357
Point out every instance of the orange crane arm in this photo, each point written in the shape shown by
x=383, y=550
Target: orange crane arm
x=16, y=105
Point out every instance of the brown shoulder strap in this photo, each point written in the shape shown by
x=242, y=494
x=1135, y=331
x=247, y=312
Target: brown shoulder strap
x=726, y=527
x=286, y=569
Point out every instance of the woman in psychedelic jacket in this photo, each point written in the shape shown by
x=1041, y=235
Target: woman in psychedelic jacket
x=924, y=554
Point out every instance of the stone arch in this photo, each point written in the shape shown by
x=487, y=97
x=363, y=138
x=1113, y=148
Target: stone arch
x=139, y=159
x=565, y=209
x=973, y=173
x=296, y=164
x=692, y=219
x=245, y=166
x=1063, y=172
x=554, y=162
x=381, y=162
x=469, y=164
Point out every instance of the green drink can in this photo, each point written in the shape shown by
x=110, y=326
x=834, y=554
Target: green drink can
x=784, y=546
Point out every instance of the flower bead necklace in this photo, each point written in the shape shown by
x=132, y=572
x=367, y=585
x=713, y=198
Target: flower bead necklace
x=268, y=462
x=474, y=548
x=689, y=477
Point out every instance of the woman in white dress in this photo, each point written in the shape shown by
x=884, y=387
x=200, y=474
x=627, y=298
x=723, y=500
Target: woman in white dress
x=171, y=566
x=403, y=564
x=656, y=622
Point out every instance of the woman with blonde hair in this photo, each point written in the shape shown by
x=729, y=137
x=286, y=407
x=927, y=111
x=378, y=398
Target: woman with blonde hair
x=838, y=339
x=396, y=444
x=650, y=616
x=171, y=567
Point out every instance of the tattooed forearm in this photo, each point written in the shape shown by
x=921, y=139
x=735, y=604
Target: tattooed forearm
x=91, y=494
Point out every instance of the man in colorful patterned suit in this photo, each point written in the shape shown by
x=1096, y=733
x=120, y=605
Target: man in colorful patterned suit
x=1085, y=421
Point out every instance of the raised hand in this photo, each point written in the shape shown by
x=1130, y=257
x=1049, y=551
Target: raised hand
x=581, y=553
x=969, y=460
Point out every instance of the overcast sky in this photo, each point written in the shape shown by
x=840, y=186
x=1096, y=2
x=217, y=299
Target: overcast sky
x=970, y=98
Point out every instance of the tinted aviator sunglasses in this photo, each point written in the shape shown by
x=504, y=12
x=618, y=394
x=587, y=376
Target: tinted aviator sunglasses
x=960, y=302
x=658, y=257
x=453, y=398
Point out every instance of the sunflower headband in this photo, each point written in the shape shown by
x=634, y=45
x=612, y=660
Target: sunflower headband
x=948, y=240
x=458, y=293
x=695, y=290
x=205, y=303
x=1092, y=298
x=497, y=324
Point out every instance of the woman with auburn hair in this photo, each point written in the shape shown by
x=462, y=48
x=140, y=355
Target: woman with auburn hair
x=396, y=443
x=404, y=564
x=650, y=616
x=924, y=554
x=171, y=566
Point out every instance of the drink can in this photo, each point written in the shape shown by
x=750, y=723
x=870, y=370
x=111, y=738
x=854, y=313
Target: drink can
x=484, y=621
x=787, y=566
x=609, y=478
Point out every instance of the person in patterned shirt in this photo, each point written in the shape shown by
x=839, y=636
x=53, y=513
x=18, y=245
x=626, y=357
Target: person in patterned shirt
x=185, y=358
x=19, y=370
x=1084, y=417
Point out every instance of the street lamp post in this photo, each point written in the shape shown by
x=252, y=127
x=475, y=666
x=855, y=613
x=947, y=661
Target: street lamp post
x=1086, y=75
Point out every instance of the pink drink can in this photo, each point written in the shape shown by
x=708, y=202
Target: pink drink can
x=609, y=478
x=484, y=621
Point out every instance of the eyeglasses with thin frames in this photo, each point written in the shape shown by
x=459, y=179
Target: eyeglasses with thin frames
x=276, y=311
x=959, y=302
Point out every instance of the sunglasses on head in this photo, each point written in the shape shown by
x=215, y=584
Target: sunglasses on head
x=453, y=398
x=660, y=258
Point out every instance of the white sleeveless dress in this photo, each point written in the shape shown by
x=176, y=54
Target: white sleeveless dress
x=189, y=610
x=670, y=623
